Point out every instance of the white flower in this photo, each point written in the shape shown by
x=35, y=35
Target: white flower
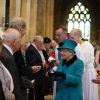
x=51, y=59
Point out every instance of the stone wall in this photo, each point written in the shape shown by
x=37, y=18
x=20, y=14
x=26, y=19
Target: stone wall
x=2, y=12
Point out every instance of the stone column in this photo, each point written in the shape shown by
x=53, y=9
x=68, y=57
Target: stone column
x=29, y=12
x=18, y=8
x=45, y=17
x=28, y=7
x=2, y=13
x=25, y=7
x=33, y=19
x=49, y=16
x=40, y=17
x=2, y=8
x=12, y=9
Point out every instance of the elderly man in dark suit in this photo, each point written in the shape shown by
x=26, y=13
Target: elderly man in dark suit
x=11, y=44
x=33, y=58
x=19, y=24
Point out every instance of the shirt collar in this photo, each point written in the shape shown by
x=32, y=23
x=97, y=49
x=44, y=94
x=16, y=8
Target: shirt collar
x=34, y=45
x=8, y=48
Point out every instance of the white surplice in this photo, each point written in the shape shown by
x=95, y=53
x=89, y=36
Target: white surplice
x=90, y=90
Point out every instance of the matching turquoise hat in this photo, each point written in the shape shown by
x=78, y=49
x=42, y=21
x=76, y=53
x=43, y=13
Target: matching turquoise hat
x=67, y=44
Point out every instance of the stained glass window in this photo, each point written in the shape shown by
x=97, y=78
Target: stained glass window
x=79, y=17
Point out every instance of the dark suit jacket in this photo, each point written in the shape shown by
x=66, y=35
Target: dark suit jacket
x=24, y=71
x=45, y=54
x=8, y=60
x=1, y=92
x=33, y=58
x=19, y=61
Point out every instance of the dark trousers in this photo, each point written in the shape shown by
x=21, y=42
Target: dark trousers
x=36, y=93
x=1, y=92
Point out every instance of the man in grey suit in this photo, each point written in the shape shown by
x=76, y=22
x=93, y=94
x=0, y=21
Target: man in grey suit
x=11, y=44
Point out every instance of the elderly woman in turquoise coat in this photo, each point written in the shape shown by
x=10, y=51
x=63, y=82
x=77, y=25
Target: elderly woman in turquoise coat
x=68, y=73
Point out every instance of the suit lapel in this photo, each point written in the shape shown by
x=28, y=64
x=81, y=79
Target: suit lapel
x=37, y=53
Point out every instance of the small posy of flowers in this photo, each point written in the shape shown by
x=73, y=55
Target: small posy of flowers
x=51, y=59
x=98, y=73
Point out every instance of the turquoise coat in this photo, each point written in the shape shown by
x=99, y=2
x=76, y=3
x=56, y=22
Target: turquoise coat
x=70, y=88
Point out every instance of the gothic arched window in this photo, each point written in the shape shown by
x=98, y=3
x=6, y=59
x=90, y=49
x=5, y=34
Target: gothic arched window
x=79, y=17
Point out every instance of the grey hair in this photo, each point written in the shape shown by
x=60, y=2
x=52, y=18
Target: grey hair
x=38, y=38
x=77, y=31
x=65, y=30
x=17, y=23
x=10, y=35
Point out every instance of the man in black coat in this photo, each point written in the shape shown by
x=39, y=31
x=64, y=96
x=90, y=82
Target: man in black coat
x=11, y=43
x=33, y=58
x=19, y=24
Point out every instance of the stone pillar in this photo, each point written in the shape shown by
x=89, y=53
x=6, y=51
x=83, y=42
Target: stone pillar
x=45, y=17
x=24, y=14
x=2, y=9
x=49, y=16
x=29, y=12
x=2, y=12
x=33, y=19
x=40, y=17
x=23, y=8
x=12, y=9
x=18, y=8
x=28, y=7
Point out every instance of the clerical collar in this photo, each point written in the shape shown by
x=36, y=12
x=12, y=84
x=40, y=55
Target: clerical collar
x=71, y=61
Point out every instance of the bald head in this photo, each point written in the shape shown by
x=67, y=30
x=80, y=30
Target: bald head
x=12, y=38
x=76, y=35
x=11, y=34
x=19, y=24
x=38, y=38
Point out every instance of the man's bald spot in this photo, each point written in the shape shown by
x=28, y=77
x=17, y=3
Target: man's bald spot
x=11, y=34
